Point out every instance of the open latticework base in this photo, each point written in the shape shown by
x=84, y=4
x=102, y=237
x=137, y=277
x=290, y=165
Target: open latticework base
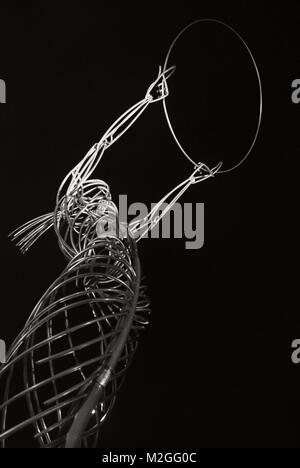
x=86, y=323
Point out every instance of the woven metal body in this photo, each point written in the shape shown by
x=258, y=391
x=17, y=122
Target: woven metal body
x=83, y=330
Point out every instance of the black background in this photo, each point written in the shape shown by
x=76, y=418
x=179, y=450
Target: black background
x=214, y=367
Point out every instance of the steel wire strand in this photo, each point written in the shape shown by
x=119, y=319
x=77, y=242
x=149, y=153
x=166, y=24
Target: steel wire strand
x=68, y=340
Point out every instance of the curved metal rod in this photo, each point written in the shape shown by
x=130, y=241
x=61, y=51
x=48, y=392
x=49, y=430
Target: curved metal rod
x=230, y=28
x=82, y=418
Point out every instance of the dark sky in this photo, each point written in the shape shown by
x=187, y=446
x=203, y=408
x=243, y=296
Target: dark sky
x=214, y=367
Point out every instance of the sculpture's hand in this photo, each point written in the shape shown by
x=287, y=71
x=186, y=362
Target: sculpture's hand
x=158, y=90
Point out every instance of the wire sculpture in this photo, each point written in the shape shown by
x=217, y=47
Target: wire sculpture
x=79, y=340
